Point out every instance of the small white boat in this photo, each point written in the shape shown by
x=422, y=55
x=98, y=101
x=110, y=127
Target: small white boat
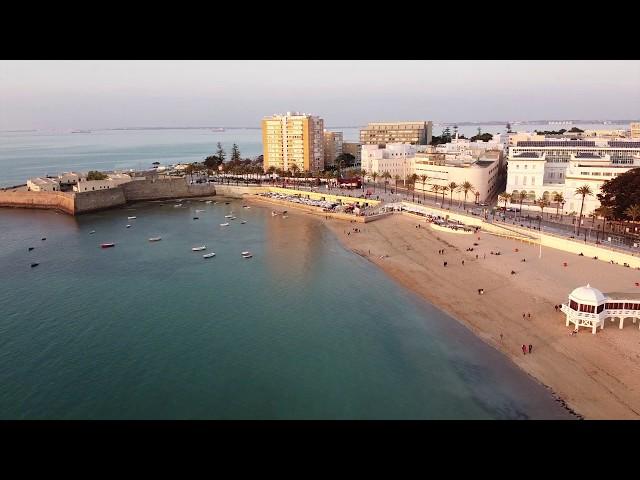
x=232, y=218
x=208, y=201
x=208, y=255
x=228, y=216
x=224, y=224
x=248, y=255
x=178, y=205
x=243, y=222
x=92, y=232
x=198, y=249
x=131, y=218
x=155, y=239
x=128, y=226
x=198, y=211
x=246, y=206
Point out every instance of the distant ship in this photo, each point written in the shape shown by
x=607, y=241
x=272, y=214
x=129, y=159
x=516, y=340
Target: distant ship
x=81, y=131
x=219, y=129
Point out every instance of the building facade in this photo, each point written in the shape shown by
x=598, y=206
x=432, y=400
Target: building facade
x=332, y=147
x=293, y=138
x=634, y=129
x=353, y=148
x=542, y=169
x=114, y=180
x=414, y=133
x=395, y=158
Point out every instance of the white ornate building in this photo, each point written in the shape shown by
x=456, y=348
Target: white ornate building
x=589, y=307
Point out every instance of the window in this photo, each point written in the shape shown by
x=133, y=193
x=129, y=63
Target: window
x=573, y=305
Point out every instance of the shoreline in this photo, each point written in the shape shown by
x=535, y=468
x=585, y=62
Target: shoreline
x=593, y=377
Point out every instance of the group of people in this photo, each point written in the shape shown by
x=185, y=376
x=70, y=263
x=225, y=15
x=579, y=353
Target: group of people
x=524, y=349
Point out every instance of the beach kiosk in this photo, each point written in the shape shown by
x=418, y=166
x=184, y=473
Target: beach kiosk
x=585, y=308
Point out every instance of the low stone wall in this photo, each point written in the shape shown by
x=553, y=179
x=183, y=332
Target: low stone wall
x=238, y=191
x=61, y=201
x=161, y=188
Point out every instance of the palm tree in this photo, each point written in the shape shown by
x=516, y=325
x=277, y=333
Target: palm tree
x=386, y=176
x=423, y=179
x=453, y=186
x=396, y=177
x=444, y=190
x=435, y=188
x=374, y=176
x=412, y=187
x=542, y=203
x=584, y=191
x=466, y=187
x=558, y=198
x=294, y=169
x=505, y=197
x=606, y=213
x=521, y=196
x=633, y=211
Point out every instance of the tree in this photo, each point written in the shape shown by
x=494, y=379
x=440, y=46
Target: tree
x=633, y=212
x=584, y=191
x=346, y=160
x=606, y=213
x=466, y=187
x=485, y=137
x=410, y=184
x=386, y=176
x=508, y=127
x=220, y=153
x=621, y=192
x=453, y=186
x=558, y=198
x=423, y=180
x=444, y=190
x=96, y=175
x=435, y=188
x=446, y=135
x=504, y=197
x=294, y=169
x=542, y=203
x=374, y=176
x=396, y=177
x=521, y=196
x=212, y=161
x=235, y=153
x=576, y=130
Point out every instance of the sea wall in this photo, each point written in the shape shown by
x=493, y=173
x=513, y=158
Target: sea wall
x=61, y=201
x=238, y=191
x=161, y=188
x=99, y=200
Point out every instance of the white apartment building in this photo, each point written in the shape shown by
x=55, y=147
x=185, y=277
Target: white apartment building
x=533, y=173
x=483, y=171
x=395, y=158
x=294, y=138
x=634, y=129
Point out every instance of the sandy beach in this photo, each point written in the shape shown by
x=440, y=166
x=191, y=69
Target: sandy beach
x=597, y=376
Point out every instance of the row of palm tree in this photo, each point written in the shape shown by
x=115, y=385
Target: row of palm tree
x=466, y=187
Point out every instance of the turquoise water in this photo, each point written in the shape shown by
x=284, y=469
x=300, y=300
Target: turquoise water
x=303, y=330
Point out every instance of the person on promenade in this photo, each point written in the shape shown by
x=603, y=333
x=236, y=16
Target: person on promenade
x=445, y=264
x=501, y=337
x=524, y=349
x=530, y=348
x=524, y=315
x=529, y=316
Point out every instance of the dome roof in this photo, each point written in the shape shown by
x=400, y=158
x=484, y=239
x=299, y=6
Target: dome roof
x=587, y=294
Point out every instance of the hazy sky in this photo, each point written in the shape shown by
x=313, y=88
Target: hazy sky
x=107, y=94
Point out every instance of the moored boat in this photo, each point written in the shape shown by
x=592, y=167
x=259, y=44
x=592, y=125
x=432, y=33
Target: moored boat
x=131, y=218
x=228, y=216
x=224, y=224
x=198, y=211
x=243, y=221
x=31, y=248
x=107, y=245
x=208, y=255
x=155, y=239
x=196, y=218
x=198, y=249
x=128, y=226
x=92, y=232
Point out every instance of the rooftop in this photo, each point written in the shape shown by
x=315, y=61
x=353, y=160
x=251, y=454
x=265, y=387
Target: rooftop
x=622, y=296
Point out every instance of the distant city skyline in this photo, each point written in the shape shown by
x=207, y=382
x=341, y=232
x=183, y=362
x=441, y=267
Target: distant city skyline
x=52, y=95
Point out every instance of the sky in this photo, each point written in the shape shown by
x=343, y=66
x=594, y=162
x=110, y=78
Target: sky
x=55, y=94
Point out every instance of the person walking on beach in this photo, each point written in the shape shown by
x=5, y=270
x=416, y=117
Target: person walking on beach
x=445, y=264
x=524, y=349
x=524, y=315
x=463, y=263
x=530, y=348
x=529, y=316
x=501, y=337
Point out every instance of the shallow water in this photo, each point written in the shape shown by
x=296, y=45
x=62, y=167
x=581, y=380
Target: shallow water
x=303, y=330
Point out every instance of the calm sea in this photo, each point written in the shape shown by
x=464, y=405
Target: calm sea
x=303, y=330
x=29, y=154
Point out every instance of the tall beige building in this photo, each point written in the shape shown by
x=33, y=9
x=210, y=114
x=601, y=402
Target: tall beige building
x=635, y=129
x=294, y=138
x=414, y=133
x=332, y=147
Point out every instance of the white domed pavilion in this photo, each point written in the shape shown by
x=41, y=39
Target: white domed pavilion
x=589, y=307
